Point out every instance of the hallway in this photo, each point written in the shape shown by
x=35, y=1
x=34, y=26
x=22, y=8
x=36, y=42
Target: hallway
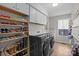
x=61, y=49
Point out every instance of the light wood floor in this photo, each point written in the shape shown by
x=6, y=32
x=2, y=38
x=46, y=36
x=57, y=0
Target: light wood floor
x=60, y=49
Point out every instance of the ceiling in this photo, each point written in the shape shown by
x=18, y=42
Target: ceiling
x=62, y=8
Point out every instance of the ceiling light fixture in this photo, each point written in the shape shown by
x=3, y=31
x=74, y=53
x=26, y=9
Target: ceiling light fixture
x=55, y=4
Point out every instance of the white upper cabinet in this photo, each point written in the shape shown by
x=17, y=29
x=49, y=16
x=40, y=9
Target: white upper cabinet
x=36, y=16
x=23, y=7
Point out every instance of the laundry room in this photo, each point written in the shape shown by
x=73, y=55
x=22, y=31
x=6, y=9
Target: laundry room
x=39, y=29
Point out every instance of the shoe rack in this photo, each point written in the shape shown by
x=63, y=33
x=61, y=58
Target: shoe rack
x=14, y=32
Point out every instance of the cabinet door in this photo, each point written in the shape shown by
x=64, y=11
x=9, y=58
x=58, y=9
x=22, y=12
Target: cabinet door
x=33, y=15
x=23, y=7
x=39, y=17
x=9, y=5
x=44, y=20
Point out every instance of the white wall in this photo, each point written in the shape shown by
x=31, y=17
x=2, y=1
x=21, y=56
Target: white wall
x=75, y=22
x=75, y=11
x=53, y=21
x=53, y=25
x=75, y=28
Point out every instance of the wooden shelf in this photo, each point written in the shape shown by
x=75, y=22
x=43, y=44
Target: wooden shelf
x=8, y=40
x=19, y=51
x=10, y=25
x=12, y=33
x=12, y=11
x=25, y=21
